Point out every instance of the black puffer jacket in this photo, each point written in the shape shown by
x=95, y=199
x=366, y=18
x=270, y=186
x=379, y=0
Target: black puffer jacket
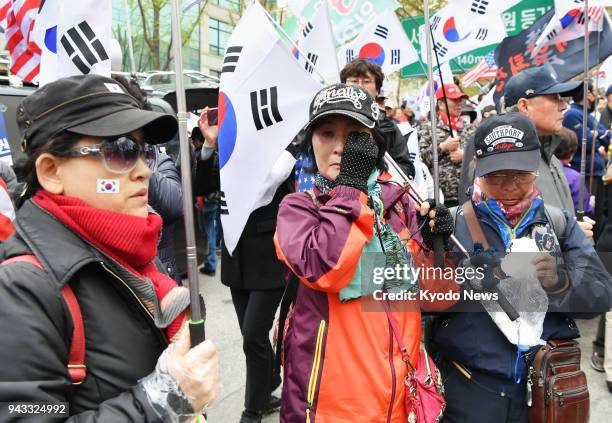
x=122, y=341
x=166, y=198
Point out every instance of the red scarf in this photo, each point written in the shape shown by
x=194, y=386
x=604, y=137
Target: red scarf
x=456, y=121
x=130, y=240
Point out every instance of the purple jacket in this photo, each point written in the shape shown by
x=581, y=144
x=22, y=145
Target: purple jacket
x=573, y=179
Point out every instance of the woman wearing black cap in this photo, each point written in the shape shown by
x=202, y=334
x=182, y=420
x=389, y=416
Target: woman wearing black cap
x=544, y=266
x=347, y=355
x=86, y=315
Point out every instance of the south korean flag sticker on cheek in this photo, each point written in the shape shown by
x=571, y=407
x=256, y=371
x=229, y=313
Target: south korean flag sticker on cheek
x=107, y=186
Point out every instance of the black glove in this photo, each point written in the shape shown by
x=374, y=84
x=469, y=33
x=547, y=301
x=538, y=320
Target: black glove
x=489, y=262
x=444, y=225
x=358, y=161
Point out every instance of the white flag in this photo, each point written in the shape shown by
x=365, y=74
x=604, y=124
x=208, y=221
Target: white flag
x=317, y=44
x=74, y=37
x=264, y=97
x=462, y=26
x=384, y=42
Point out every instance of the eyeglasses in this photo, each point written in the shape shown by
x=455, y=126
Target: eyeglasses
x=517, y=178
x=360, y=81
x=119, y=155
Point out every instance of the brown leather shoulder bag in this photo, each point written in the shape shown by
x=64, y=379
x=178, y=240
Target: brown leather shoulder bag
x=558, y=388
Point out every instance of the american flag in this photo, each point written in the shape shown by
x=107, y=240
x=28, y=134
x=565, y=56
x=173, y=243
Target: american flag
x=485, y=69
x=7, y=213
x=17, y=18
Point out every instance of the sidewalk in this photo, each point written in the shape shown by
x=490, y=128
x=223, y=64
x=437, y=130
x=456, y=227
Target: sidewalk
x=222, y=328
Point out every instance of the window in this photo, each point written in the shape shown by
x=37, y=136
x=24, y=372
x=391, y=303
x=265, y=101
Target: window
x=216, y=73
x=218, y=34
x=229, y=4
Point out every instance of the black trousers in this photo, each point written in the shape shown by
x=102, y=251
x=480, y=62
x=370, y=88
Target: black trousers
x=255, y=310
x=470, y=401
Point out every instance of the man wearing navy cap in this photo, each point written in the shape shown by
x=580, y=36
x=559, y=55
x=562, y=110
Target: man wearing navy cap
x=596, y=133
x=537, y=93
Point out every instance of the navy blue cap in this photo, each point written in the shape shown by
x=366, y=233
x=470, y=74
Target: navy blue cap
x=533, y=82
x=609, y=91
x=506, y=141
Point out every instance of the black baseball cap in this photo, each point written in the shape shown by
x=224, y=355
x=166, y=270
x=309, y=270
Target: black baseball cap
x=91, y=105
x=609, y=91
x=533, y=82
x=348, y=100
x=506, y=141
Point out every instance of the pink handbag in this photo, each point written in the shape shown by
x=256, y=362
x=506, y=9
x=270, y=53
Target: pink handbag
x=424, y=393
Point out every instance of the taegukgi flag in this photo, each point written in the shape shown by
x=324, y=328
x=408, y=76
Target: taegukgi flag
x=75, y=37
x=383, y=42
x=264, y=98
x=317, y=47
x=464, y=25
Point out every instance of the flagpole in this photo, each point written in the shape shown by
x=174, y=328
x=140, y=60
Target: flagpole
x=280, y=28
x=461, y=68
x=196, y=323
x=128, y=29
x=585, y=90
x=596, y=97
x=448, y=116
x=438, y=258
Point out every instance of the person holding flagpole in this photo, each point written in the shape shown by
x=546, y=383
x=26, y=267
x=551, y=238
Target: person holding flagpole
x=454, y=140
x=343, y=361
x=89, y=318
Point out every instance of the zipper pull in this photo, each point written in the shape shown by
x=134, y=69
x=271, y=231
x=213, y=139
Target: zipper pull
x=561, y=400
x=529, y=391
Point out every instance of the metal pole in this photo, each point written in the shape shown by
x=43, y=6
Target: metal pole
x=128, y=20
x=448, y=115
x=196, y=324
x=580, y=211
x=438, y=258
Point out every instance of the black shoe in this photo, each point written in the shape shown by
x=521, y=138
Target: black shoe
x=609, y=386
x=273, y=405
x=597, y=361
x=250, y=417
x=207, y=272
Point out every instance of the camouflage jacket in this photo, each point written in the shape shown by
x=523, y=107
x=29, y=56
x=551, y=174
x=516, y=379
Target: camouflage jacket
x=449, y=171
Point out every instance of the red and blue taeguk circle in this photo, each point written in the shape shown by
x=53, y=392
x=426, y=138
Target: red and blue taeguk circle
x=450, y=32
x=569, y=17
x=227, y=129
x=373, y=52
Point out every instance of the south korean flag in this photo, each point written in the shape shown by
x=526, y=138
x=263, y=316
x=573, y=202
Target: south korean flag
x=317, y=48
x=264, y=98
x=383, y=42
x=75, y=36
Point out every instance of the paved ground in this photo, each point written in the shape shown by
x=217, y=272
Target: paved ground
x=222, y=328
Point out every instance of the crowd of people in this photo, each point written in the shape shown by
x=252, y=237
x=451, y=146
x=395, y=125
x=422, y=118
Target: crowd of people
x=92, y=297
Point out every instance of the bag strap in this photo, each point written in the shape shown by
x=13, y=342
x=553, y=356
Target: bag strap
x=76, y=356
x=398, y=338
x=473, y=225
x=558, y=221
